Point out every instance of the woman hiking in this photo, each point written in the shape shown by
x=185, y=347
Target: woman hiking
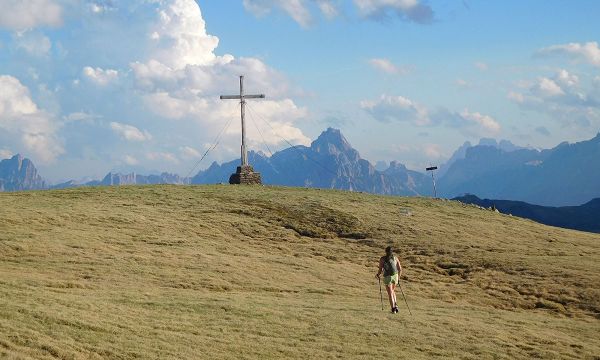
x=392, y=270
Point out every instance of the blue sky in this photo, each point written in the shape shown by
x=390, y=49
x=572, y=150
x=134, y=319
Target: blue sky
x=91, y=86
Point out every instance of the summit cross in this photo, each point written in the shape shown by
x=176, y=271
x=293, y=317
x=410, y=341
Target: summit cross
x=244, y=174
x=242, y=97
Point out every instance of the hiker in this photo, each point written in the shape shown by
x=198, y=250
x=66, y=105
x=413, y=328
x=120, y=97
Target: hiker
x=391, y=268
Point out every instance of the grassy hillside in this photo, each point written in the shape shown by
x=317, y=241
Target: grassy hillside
x=262, y=272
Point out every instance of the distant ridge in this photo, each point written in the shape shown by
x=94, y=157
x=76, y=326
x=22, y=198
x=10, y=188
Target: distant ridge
x=115, y=179
x=585, y=217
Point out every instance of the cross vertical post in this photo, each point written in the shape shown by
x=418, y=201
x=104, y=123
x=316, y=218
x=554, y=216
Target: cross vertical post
x=242, y=112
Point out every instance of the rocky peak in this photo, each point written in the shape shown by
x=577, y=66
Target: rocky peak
x=395, y=168
x=19, y=173
x=331, y=140
x=119, y=179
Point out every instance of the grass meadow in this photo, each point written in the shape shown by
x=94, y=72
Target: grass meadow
x=222, y=272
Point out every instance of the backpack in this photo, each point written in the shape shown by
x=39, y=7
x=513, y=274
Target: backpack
x=389, y=266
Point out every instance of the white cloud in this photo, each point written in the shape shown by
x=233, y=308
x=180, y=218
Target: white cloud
x=100, y=76
x=328, y=8
x=130, y=160
x=20, y=116
x=180, y=36
x=296, y=9
x=566, y=79
x=5, y=154
x=190, y=152
x=130, y=133
x=398, y=108
x=482, y=122
x=412, y=10
x=561, y=96
x=27, y=14
x=547, y=88
x=588, y=52
x=79, y=116
x=387, y=66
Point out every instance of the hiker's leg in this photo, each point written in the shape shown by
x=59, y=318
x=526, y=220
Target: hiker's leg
x=393, y=286
x=390, y=293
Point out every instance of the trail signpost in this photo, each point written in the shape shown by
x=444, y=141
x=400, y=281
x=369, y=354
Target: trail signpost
x=245, y=173
x=432, y=169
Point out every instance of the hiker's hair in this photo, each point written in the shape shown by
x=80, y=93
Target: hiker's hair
x=389, y=252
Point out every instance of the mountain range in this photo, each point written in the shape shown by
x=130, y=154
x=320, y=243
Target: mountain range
x=329, y=162
x=568, y=174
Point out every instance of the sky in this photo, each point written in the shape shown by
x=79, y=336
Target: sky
x=90, y=86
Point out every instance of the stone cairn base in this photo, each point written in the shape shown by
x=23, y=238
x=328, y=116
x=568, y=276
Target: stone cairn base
x=245, y=175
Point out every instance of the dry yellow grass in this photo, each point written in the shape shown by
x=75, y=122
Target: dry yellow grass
x=178, y=272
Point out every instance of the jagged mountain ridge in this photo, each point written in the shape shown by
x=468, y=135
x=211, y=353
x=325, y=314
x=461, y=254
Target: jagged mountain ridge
x=329, y=162
x=568, y=174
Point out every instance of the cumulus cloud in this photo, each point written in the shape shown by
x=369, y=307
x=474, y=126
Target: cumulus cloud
x=397, y=108
x=183, y=82
x=130, y=133
x=588, y=52
x=386, y=66
x=100, y=76
x=411, y=10
x=562, y=96
x=20, y=116
x=27, y=14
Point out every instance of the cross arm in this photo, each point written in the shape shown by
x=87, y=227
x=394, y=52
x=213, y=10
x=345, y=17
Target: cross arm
x=261, y=96
x=230, y=97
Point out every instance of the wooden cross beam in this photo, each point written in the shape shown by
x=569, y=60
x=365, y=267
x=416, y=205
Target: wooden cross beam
x=242, y=97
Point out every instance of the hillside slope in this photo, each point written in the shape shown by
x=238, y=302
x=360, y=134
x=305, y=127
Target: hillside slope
x=263, y=272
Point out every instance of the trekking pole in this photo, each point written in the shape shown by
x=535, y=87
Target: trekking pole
x=380, y=294
x=400, y=286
